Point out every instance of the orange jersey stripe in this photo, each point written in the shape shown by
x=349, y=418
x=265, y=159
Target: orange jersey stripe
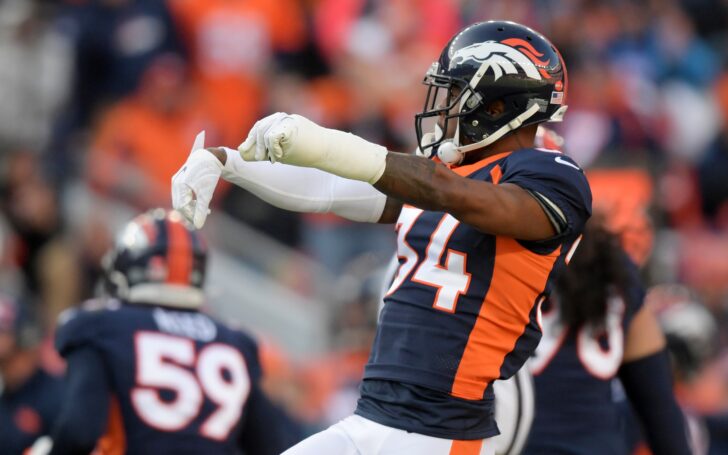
x=519, y=276
x=179, y=254
x=470, y=168
x=466, y=447
x=113, y=442
x=495, y=174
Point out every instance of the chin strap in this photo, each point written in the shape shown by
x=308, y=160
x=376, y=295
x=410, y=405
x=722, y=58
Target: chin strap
x=452, y=153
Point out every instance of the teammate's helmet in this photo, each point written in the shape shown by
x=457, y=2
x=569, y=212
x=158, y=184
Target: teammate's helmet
x=690, y=329
x=487, y=62
x=158, y=258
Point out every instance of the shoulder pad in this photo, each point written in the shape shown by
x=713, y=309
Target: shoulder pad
x=81, y=325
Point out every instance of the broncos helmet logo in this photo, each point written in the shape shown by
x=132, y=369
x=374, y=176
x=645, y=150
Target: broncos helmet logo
x=503, y=57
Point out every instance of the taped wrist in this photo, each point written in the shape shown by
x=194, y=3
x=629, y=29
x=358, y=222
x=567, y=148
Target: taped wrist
x=344, y=154
x=303, y=189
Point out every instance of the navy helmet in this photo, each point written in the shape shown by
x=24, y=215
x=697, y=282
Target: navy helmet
x=158, y=258
x=487, y=62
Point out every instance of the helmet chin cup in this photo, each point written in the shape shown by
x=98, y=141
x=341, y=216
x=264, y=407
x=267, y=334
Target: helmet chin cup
x=430, y=138
x=449, y=153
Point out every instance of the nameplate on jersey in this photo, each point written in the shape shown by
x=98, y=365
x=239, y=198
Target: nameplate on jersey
x=191, y=325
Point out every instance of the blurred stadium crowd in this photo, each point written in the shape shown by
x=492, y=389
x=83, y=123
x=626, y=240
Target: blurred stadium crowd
x=104, y=97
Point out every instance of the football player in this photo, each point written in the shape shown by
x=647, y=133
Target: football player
x=595, y=331
x=29, y=396
x=484, y=223
x=692, y=335
x=148, y=372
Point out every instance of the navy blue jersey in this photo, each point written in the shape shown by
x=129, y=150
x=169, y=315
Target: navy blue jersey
x=461, y=311
x=28, y=412
x=577, y=409
x=179, y=381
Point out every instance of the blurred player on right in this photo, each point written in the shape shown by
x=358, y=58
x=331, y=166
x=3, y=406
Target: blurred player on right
x=595, y=331
x=692, y=341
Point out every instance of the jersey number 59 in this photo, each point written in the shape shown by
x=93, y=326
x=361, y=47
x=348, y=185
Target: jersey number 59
x=217, y=371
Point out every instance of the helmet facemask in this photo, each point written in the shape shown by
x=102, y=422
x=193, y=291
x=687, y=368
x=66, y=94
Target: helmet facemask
x=448, y=98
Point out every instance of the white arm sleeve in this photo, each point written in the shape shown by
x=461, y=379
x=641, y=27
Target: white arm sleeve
x=302, y=189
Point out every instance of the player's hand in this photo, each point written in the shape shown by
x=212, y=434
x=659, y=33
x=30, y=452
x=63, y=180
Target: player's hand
x=289, y=139
x=195, y=182
x=296, y=140
x=273, y=128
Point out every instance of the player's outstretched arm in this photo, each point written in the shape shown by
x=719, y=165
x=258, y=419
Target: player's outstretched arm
x=504, y=209
x=85, y=405
x=302, y=189
x=288, y=187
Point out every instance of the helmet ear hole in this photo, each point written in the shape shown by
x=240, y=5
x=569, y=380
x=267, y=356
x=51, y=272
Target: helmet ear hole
x=495, y=109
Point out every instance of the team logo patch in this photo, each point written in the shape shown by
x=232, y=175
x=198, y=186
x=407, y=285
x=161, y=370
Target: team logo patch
x=504, y=58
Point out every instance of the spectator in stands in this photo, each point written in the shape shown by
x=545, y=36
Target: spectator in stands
x=233, y=46
x=42, y=250
x=114, y=41
x=140, y=140
x=30, y=398
x=35, y=74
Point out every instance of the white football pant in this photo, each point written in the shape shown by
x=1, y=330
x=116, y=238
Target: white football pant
x=356, y=435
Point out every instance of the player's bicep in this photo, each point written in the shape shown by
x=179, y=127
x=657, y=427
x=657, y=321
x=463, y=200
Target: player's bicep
x=85, y=406
x=506, y=210
x=644, y=336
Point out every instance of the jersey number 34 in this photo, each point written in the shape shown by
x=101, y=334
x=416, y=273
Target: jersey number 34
x=450, y=280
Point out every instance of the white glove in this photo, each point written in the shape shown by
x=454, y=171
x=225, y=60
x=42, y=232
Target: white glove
x=194, y=184
x=292, y=139
x=256, y=150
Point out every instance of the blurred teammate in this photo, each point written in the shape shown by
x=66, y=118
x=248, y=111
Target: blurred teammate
x=484, y=221
x=692, y=341
x=596, y=330
x=30, y=398
x=148, y=372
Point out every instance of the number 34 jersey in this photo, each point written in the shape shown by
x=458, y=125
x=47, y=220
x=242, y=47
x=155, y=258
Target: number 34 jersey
x=179, y=379
x=462, y=309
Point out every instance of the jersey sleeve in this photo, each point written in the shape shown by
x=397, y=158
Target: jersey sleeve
x=85, y=403
x=249, y=348
x=77, y=327
x=558, y=184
